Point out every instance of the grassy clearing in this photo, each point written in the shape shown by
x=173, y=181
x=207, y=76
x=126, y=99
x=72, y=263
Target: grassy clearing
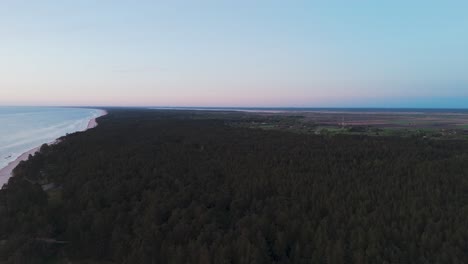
x=55, y=196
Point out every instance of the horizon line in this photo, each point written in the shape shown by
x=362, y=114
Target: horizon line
x=237, y=107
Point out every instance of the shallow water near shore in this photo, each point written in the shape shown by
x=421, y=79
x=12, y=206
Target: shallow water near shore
x=25, y=128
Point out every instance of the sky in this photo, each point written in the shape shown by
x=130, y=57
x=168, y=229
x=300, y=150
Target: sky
x=234, y=53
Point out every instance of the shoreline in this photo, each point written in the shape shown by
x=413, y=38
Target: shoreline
x=93, y=123
x=6, y=172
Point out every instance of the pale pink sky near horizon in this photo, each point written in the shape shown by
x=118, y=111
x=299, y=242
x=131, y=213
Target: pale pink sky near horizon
x=234, y=53
x=237, y=95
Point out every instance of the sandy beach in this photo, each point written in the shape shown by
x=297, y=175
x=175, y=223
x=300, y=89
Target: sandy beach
x=93, y=123
x=5, y=173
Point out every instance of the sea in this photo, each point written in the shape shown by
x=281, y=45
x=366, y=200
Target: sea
x=25, y=128
x=319, y=109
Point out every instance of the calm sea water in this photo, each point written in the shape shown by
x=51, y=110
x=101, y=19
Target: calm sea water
x=24, y=128
x=316, y=109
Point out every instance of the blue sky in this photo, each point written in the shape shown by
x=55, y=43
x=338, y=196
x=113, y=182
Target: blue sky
x=234, y=53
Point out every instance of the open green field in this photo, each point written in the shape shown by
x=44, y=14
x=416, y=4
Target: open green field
x=427, y=125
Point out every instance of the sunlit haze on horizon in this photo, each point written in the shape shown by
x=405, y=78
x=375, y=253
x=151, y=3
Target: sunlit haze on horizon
x=235, y=53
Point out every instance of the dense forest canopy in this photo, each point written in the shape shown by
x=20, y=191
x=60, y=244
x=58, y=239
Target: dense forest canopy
x=150, y=186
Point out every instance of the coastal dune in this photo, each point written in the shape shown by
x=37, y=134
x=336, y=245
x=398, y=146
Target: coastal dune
x=6, y=172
